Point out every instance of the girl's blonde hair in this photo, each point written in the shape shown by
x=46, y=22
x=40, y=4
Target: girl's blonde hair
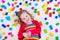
x=19, y=14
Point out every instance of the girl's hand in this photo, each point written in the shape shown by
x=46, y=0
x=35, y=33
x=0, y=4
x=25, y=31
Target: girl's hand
x=27, y=34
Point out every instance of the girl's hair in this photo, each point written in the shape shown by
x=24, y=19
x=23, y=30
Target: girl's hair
x=19, y=14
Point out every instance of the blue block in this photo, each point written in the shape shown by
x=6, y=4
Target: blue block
x=8, y=4
x=6, y=13
x=36, y=4
x=16, y=12
x=51, y=0
x=17, y=6
x=30, y=3
x=34, y=0
x=54, y=9
x=56, y=17
x=11, y=29
x=8, y=18
x=3, y=25
x=55, y=0
x=45, y=18
x=26, y=2
x=20, y=3
x=4, y=7
x=2, y=20
x=50, y=26
x=42, y=0
x=0, y=36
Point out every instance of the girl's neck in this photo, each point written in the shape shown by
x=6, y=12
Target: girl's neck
x=29, y=23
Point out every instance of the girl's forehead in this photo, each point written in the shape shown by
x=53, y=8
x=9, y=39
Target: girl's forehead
x=23, y=14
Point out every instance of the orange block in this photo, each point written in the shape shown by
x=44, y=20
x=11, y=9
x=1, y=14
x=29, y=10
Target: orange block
x=15, y=20
x=38, y=13
x=40, y=23
x=13, y=8
x=38, y=0
x=56, y=5
x=46, y=12
x=15, y=2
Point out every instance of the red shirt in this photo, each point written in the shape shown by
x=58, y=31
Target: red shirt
x=35, y=31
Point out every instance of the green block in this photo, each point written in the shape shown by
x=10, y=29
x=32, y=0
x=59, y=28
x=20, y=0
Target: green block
x=34, y=36
x=14, y=24
x=12, y=0
x=35, y=11
x=47, y=11
x=3, y=39
x=42, y=6
x=58, y=10
x=23, y=0
x=57, y=24
x=2, y=6
x=47, y=23
x=57, y=38
x=27, y=4
x=45, y=31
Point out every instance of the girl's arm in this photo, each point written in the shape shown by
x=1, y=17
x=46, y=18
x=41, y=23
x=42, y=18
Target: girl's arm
x=20, y=33
x=38, y=28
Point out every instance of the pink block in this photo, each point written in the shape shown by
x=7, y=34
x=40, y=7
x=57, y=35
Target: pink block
x=58, y=2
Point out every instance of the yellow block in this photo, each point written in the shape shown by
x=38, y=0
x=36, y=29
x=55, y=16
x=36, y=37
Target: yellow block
x=9, y=10
x=25, y=5
x=47, y=38
x=51, y=34
x=45, y=5
x=12, y=15
x=0, y=28
x=3, y=14
x=44, y=9
x=3, y=33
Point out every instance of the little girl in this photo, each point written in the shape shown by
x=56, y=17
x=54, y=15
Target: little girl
x=29, y=28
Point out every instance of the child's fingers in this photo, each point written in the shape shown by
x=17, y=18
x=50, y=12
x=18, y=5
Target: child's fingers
x=25, y=35
x=29, y=33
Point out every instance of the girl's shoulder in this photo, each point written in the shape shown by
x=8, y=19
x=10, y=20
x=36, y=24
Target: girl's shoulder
x=35, y=21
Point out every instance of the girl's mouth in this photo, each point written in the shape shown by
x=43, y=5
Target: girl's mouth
x=27, y=19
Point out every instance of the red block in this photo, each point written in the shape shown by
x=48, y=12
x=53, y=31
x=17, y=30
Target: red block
x=50, y=14
x=53, y=12
x=0, y=9
x=48, y=8
x=48, y=2
x=30, y=0
x=20, y=9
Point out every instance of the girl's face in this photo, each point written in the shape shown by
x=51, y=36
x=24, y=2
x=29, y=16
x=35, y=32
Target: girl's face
x=25, y=17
